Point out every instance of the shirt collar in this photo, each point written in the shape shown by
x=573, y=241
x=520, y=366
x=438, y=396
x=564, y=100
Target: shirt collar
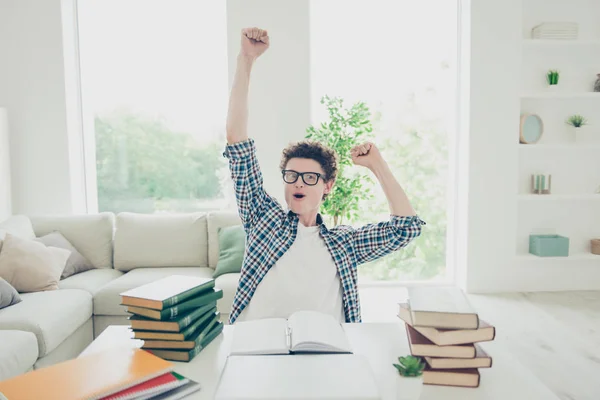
x=320, y=221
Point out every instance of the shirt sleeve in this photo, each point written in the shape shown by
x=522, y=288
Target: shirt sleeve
x=251, y=198
x=373, y=241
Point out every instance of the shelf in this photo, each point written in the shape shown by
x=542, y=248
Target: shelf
x=560, y=43
x=553, y=197
x=561, y=95
x=561, y=146
x=572, y=257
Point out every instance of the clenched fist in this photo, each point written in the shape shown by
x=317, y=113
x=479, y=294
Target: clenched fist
x=255, y=42
x=366, y=155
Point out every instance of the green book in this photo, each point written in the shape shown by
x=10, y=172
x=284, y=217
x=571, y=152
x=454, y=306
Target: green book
x=196, y=339
x=208, y=297
x=181, y=336
x=166, y=292
x=188, y=355
x=173, y=325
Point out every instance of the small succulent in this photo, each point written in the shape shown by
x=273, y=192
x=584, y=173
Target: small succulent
x=410, y=366
x=577, y=120
x=552, y=77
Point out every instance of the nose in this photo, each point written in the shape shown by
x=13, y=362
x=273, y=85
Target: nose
x=299, y=183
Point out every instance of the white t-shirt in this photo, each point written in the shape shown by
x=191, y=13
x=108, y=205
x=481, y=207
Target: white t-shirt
x=304, y=278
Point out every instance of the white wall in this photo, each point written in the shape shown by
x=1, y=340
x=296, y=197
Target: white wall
x=279, y=99
x=5, y=195
x=492, y=154
x=32, y=88
x=498, y=220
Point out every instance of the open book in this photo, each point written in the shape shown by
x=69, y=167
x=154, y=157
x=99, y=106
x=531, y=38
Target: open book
x=302, y=332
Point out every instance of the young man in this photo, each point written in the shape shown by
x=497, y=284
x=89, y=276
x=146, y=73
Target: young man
x=292, y=260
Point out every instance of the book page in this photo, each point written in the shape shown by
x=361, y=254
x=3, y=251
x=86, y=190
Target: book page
x=263, y=336
x=441, y=299
x=313, y=331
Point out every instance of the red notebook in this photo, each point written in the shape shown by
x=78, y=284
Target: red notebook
x=155, y=386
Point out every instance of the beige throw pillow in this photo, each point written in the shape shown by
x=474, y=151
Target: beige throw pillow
x=30, y=266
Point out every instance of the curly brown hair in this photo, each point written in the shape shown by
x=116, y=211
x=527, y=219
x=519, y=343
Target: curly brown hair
x=313, y=150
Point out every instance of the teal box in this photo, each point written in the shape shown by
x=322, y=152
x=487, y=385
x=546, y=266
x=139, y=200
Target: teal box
x=549, y=245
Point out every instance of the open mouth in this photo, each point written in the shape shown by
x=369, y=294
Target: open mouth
x=299, y=196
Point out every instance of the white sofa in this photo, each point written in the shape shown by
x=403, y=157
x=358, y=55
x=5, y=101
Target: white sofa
x=127, y=250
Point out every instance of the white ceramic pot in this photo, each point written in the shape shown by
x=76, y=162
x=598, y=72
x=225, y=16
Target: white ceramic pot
x=582, y=134
x=409, y=388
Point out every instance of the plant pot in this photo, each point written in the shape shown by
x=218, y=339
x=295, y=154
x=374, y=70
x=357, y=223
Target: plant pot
x=409, y=387
x=552, y=88
x=582, y=134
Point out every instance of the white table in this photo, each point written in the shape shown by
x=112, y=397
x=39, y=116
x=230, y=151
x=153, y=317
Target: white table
x=381, y=343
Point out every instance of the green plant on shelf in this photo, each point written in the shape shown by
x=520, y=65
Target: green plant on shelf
x=577, y=121
x=552, y=77
x=410, y=366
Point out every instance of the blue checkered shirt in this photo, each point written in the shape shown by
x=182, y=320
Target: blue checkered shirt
x=270, y=231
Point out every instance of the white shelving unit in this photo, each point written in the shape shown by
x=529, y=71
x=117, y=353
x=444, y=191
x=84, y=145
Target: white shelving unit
x=560, y=43
x=562, y=95
x=572, y=209
x=559, y=197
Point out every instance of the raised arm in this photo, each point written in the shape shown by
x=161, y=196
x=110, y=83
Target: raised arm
x=254, y=43
x=376, y=240
x=252, y=200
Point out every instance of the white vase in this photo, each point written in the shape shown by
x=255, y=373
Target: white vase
x=409, y=387
x=582, y=134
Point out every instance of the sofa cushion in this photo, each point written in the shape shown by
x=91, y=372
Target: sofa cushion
x=18, y=225
x=232, y=245
x=216, y=220
x=107, y=300
x=229, y=283
x=8, y=294
x=76, y=262
x=18, y=352
x=173, y=240
x=30, y=266
x=52, y=316
x=91, y=281
x=90, y=234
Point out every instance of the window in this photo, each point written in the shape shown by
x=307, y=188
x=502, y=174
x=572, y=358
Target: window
x=154, y=99
x=400, y=59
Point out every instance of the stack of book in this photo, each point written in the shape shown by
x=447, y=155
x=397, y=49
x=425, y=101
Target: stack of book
x=446, y=332
x=176, y=316
x=556, y=31
x=113, y=374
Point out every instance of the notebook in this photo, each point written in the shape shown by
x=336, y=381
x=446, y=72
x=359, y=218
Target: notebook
x=305, y=376
x=88, y=377
x=150, y=388
x=302, y=332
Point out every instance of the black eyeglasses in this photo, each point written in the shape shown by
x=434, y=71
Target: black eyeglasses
x=310, y=178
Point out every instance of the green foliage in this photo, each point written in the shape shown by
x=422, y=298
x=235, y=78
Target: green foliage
x=346, y=128
x=577, y=120
x=410, y=366
x=141, y=163
x=552, y=77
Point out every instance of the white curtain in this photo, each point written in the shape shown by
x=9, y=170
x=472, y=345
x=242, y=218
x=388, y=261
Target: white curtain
x=5, y=197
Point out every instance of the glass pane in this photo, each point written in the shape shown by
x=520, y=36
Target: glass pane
x=155, y=86
x=399, y=58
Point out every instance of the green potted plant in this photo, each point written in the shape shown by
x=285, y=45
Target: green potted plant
x=579, y=124
x=410, y=380
x=552, y=78
x=346, y=128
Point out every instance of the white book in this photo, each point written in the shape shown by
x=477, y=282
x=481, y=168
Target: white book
x=441, y=307
x=302, y=332
x=308, y=377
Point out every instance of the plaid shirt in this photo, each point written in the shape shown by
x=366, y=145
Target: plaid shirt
x=270, y=231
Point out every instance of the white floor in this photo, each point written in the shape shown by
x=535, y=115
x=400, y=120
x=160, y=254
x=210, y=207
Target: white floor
x=555, y=335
